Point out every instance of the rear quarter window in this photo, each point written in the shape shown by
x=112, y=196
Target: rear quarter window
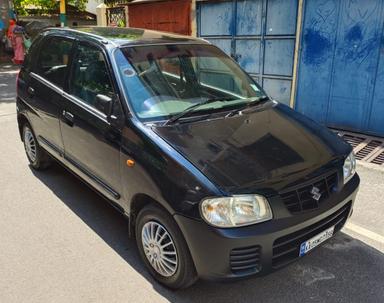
x=31, y=53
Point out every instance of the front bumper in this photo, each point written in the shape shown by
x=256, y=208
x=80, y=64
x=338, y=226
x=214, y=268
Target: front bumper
x=259, y=249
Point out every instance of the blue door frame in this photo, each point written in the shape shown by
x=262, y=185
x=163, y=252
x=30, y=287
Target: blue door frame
x=259, y=34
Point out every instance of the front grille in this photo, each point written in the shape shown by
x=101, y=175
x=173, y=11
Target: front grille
x=301, y=199
x=245, y=259
x=287, y=248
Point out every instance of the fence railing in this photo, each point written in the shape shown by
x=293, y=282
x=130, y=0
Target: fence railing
x=116, y=16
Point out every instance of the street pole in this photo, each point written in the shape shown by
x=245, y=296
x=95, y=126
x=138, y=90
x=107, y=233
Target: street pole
x=63, y=17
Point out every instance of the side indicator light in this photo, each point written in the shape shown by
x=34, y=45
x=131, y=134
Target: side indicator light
x=130, y=162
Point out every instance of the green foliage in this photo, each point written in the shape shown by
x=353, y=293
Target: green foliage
x=44, y=6
x=80, y=4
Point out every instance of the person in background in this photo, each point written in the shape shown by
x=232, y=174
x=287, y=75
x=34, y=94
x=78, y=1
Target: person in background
x=2, y=27
x=18, y=42
x=11, y=27
x=3, y=39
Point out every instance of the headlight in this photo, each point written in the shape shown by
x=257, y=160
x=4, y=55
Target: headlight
x=236, y=211
x=349, y=167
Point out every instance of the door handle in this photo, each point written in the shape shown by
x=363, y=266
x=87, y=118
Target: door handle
x=31, y=91
x=68, y=118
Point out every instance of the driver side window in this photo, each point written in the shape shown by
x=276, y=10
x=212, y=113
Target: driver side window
x=90, y=75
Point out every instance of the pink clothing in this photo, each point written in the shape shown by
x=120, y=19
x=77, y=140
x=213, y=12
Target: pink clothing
x=18, y=48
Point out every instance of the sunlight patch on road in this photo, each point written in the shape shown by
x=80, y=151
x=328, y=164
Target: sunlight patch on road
x=9, y=72
x=7, y=99
x=364, y=232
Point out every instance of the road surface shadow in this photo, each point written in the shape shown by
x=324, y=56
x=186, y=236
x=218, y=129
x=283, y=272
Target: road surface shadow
x=343, y=270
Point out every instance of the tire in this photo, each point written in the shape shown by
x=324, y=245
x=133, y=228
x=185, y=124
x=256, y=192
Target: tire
x=37, y=157
x=181, y=275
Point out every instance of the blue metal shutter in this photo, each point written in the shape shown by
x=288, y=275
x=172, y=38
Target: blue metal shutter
x=341, y=69
x=259, y=34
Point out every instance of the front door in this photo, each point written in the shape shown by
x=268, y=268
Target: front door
x=91, y=144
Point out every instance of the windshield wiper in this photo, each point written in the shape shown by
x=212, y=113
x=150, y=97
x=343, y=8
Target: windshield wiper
x=251, y=103
x=193, y=107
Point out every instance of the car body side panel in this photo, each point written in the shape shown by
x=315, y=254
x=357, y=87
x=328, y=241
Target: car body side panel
x=46, y=121
x=92, y=145
x=42, y=114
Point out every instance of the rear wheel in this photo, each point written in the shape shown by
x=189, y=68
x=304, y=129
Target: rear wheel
x=37, y=157
x=163, y=248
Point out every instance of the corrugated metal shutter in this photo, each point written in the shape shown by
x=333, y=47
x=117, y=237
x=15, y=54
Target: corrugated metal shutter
x=341, y=67
x=259, y=34
x=168, y=16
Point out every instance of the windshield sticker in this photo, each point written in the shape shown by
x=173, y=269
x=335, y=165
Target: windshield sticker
x=129, y=72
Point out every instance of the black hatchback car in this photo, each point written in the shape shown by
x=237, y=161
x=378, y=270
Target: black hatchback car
x=217, y=180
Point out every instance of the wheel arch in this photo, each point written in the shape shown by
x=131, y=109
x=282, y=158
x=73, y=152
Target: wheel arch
x=21, y=121
x=138, y=202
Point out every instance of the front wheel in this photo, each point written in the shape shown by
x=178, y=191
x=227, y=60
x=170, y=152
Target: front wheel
x=163, y=248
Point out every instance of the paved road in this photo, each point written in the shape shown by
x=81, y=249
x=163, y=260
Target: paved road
x=60, y=242
x=7, y=82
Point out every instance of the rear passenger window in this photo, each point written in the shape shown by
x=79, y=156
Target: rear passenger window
x=31, y=53
x=90, y=75
x=53, y=60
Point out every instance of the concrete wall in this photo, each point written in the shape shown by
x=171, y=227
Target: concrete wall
x=56, y=21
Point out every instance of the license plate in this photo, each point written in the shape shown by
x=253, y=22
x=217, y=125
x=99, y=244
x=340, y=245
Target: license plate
x=315, y=241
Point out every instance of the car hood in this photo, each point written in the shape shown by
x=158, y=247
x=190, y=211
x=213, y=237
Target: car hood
x=265, y=150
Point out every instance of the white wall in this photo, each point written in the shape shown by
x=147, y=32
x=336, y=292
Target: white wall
x=91, y=5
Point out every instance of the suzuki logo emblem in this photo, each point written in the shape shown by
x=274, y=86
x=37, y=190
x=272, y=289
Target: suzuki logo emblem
x=315, y=193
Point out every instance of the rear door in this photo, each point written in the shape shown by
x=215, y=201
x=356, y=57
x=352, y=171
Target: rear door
x=91, y=143
x=45, y=89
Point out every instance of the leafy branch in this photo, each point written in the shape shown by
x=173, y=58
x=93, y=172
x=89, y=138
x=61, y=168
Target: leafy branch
x=44, y=6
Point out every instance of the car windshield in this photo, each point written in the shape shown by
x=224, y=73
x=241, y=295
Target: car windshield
x=163, y=81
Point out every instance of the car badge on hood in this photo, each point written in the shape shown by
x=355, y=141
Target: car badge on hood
x=316, y=193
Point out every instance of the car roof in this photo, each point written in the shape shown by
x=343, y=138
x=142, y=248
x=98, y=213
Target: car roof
x=125, y=36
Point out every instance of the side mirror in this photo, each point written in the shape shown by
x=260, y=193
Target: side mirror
x=104, y=104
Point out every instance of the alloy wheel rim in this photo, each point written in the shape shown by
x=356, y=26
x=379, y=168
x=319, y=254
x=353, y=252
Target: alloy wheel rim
x=159, y=248
x=30, y=144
